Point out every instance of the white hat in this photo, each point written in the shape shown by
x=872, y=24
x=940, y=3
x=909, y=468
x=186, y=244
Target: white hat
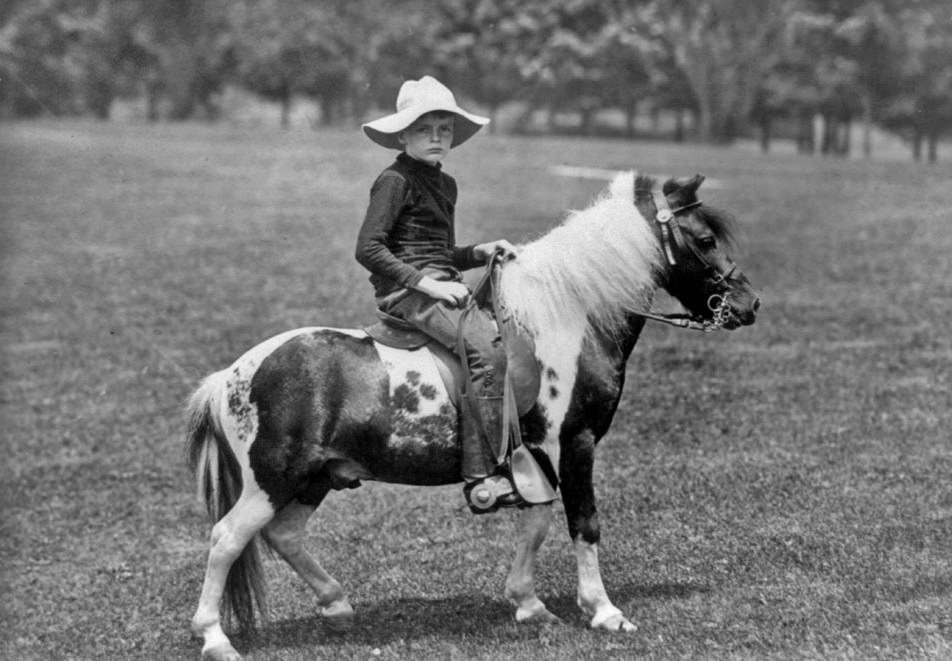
x=415, y=99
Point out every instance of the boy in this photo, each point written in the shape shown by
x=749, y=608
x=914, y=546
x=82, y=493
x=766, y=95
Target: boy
x=407, y=242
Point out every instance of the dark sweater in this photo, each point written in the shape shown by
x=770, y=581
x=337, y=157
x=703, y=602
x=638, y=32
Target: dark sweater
x=408, y=230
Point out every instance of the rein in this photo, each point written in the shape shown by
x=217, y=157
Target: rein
x=718, y=305
x=671, y=238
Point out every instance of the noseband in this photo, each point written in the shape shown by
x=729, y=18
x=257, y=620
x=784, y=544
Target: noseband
x=673, y=239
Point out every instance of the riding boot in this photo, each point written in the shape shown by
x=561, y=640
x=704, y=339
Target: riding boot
x=484, y=450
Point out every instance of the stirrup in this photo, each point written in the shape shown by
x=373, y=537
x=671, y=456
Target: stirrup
x=490, y=494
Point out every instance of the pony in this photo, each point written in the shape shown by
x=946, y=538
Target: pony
x=317, y=409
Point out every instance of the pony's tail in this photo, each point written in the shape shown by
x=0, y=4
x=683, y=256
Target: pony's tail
x=218, y=479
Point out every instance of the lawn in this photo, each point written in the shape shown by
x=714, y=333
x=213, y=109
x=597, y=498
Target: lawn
x=777, y=492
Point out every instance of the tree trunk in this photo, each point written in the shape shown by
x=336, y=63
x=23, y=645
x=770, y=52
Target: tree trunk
x=827, y=141
x=631, y=113
x=844, y=142
x=705, y=122
x=933, y=147
x=327, y=110
x=765, y=126
x=587, y=113
x=679, y=125
x=285, y=110
x=806, y=138
x=867, y=127
x=916, y=145
x=550, y=119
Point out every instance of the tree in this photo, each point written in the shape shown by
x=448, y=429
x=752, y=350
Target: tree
x=922, y=107
x=34, y=42
x=476, y=46
x=725, y=49
x=564, y=66
x=288, y=47
x=188, y=41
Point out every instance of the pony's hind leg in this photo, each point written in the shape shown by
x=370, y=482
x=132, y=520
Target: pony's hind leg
x=285, y=534
x=229, y=539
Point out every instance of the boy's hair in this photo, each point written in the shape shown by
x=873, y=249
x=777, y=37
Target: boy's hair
x=438, y=114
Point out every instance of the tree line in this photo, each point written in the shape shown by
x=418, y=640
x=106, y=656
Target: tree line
x=725, y=68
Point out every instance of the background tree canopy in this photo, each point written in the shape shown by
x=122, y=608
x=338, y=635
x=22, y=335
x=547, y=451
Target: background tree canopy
x=731, y=67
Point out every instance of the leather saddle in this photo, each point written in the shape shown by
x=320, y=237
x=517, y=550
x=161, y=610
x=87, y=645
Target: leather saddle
x=397, y=333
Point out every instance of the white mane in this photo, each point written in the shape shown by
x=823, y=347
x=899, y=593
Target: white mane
x=594, y=267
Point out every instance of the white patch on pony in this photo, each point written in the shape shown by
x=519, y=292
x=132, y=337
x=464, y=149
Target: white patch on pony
x=592, y=270
x=592, y=597
x=420, y=404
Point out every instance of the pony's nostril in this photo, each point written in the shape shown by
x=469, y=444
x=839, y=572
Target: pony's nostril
x=756, y=305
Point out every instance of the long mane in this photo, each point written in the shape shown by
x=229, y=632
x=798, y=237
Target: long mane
x=595, y=267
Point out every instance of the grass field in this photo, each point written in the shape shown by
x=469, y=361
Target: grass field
x=780, y=492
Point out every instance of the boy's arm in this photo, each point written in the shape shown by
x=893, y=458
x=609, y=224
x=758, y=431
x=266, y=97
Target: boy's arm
x=387, y=197
x=464, y=258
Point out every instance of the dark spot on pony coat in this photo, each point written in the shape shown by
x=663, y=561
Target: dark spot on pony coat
x=428, y=391
x=438, y=429
x=553, y=392
x=405, y=398
x=413, y=377
x=551, y=374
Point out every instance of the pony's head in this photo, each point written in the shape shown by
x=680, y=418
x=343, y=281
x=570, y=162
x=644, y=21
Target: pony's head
x=696, y=240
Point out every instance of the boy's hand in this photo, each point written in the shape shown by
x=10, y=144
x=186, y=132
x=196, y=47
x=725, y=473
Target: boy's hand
x=450, y=291
x=484, y=251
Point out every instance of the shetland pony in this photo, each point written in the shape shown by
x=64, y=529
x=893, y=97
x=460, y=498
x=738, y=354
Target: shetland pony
x=316, y=409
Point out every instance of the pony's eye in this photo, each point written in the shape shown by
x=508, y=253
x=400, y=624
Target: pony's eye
x=707, y=242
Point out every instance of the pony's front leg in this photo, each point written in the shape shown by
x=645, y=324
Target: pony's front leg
x=592, y=597
x=534, y=523
x=578, y=496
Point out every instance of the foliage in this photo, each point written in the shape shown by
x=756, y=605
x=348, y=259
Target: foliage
x=922, y=104
x=728, y=62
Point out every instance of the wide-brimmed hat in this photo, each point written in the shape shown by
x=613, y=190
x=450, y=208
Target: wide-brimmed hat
x=415, y=99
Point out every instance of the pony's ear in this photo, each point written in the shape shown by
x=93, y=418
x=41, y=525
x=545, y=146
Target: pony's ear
x=695, y=183
x=683, y=190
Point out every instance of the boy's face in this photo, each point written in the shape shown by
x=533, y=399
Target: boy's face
x=429, y=138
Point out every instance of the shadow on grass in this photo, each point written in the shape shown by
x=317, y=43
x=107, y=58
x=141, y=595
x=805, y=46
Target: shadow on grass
x=406, y=619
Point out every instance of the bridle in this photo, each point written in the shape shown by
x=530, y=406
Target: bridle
x=672, y=239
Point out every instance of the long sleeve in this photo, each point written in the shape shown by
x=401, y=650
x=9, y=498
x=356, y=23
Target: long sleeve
x=387, y=197
x=462, y=256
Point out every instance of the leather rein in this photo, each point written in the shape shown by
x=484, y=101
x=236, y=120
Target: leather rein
x=671, y=238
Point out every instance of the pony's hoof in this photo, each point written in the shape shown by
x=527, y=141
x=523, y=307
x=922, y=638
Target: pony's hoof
x=540, y=616
x=338, y=616
x=546, y=617
x=617, y=623
x=221, y=653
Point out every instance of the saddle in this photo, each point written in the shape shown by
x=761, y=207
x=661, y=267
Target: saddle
x=397, y=333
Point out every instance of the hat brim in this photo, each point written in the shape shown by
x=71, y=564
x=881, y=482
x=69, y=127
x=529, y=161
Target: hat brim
x=385, y=131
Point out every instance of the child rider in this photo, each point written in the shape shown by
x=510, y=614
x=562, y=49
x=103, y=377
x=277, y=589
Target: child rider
x=407, y=242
